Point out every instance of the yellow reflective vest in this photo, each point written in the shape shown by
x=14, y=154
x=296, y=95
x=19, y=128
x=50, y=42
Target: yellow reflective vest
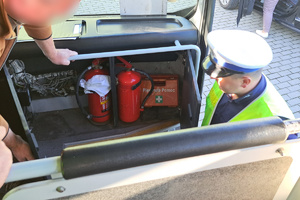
x=269, y=103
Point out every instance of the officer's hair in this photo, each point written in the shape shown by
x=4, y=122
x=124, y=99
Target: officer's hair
x=255, y=75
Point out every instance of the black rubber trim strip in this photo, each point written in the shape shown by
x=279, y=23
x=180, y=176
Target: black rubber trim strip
x=100, y=157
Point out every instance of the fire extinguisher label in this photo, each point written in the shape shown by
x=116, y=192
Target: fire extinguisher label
x=105, y=103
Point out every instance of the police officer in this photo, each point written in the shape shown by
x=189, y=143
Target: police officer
x=241, y=90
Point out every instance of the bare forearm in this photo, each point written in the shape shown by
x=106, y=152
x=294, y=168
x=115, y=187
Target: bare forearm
x=3, y=127
x=47, y=46
x=10, y=140
x=5, y=162
x=3, y=132
x=56, y=56
x=18, y=146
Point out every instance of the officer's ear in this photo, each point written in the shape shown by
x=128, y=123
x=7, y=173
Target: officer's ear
x=246, y=80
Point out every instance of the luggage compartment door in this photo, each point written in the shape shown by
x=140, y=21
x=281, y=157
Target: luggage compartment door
x=191, y=99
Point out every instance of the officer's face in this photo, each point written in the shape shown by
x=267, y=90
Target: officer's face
x=230, y=84
x=38, y=12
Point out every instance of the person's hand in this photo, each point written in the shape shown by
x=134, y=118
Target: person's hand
x=18, y=147
x=21, y=150
x=56, y=56
x=61, y=56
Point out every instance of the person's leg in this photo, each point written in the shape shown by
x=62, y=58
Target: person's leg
x=269, y=7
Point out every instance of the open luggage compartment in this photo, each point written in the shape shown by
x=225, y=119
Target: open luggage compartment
x=53, y=122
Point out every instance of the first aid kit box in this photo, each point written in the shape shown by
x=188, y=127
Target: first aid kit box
x=165, y=91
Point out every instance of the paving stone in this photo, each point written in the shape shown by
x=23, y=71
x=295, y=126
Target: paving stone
x=295, y=82
x=285, y=62
x=295, y=54
x=294, y=102
x=286, y=57
x=276, y=59
x=285, y=73
x=275, y=64
x=283, y=79
x=295, y=50
x=275, y=81
x=283, y=85
x=295, y=69
x=293, y=95
x=206, y=88
x=297, y=114
x=276, y=47
x=295, y=108
x=273, y=76
x=283, y=91
x=295, y=60
x=266, y=72
x=285, y=48
x=274, y=70
x=286, y=97
x=293, y=88
x=295, y=65
x=201, y=115
x=295, y=75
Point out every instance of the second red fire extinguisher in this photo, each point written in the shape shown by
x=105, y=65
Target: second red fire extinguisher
x=129, y=93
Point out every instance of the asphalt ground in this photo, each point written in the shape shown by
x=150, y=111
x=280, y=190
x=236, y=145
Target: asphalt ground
x=283, y=71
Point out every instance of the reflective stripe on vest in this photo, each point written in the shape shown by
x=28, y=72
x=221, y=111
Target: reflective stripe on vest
x=269, y=103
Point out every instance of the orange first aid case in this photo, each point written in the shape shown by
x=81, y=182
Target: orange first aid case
x=165, y=91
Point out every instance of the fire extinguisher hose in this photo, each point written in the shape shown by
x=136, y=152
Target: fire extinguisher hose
x=151, y=90
x=89, y=116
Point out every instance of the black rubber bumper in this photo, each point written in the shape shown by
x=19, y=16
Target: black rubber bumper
x=83, y=160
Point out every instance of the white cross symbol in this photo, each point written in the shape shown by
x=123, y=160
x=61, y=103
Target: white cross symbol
x=158, y=99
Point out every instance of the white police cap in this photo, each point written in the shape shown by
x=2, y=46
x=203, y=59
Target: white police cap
x=239, y=50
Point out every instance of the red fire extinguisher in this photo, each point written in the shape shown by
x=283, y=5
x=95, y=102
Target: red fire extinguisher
x=99, y=106
x=129, y=92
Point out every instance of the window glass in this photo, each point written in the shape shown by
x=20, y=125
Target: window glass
x=104, y=7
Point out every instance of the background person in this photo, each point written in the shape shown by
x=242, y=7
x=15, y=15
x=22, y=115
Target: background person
x=241, y=91
x=268, y=9
x=36, y=17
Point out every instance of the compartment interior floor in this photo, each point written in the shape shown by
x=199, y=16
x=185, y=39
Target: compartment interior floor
x=58, y=129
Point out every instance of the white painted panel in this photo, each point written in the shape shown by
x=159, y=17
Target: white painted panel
x=143, y=7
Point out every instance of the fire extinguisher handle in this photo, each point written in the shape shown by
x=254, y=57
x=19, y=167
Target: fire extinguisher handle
x=151, y=90
x=136, y=85
x=127, y=64
x=77, y=92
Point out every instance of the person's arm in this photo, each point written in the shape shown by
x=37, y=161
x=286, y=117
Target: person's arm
x=56, y=56
x=5, y=162
x=42, y=35
x=18, y=146
x=5, y=153
x=15, y=143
